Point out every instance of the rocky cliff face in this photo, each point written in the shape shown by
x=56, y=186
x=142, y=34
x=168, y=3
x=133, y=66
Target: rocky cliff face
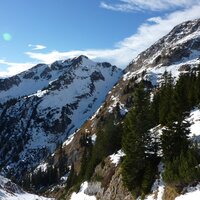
x=112, y=185
x=41, y=107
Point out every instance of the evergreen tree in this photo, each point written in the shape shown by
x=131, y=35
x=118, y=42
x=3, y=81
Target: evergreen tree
x=166, y=94
x=197, y=89
x=154, y=108
x=136, y=144
x=108, y=141
x=175, y=139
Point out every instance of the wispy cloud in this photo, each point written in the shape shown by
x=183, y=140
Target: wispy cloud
x=124, y=51
x=117, y=56
x=14, y=68
x=153, y=5
x=123, y=7
x=37, y=47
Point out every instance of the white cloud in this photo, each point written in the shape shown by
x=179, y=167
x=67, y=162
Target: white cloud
x=14, y=68
x=37, y=46
x=149, y=33
x=119, y=7
x=125, y=50
x=153, y=5
x=118, y=56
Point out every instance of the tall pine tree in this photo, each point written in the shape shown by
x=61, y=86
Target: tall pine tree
x=136, y=144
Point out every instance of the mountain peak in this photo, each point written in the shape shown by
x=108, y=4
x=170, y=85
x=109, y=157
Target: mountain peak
x=82, y=60
x=50, y=103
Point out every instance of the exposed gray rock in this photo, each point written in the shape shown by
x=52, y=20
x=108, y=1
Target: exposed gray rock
x=184, y=68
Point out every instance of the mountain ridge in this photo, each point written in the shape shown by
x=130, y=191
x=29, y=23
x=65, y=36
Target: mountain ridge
x=44, y=116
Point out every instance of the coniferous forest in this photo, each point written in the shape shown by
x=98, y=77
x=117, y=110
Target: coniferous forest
x=170, y=106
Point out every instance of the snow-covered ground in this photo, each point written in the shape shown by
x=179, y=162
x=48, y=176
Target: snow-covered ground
x=154, y=74
x=81, y=195
x=194, y=119
x=10, y=191
x=193, y=193
x=116, y=157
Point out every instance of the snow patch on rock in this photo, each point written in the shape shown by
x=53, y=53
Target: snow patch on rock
x=116, y=157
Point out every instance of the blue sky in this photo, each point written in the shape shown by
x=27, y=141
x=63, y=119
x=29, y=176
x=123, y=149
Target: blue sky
x=35, y=31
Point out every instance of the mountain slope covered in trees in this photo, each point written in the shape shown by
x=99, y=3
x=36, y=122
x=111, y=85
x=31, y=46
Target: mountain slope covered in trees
x=159, y=89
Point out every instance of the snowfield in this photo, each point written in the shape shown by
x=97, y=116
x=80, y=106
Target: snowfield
x=193, y=193
x=81, y=195
x=10, y=191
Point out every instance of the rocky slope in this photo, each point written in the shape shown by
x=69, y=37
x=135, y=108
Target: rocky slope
x=41, y=107
x=178, y=52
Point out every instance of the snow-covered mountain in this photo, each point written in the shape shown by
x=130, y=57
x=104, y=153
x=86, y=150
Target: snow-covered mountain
x=10, y=191
x=177, y=52
x=41, y=107
x=181, y=45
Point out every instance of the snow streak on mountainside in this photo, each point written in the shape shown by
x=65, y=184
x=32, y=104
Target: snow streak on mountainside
x=10, y=191
x=32, y=125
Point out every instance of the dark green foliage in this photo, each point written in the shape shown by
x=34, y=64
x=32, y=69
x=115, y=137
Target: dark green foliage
x=166, y=94
x=180, y=157
x=108, y=141
x=183, y=169
x=72, y=178
x=176, y=150
x=175, y=139
x=154, y=109
x=170, y=106
x=174, y=100
x=86, y=142
x=140, y=162
x=149, y=174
